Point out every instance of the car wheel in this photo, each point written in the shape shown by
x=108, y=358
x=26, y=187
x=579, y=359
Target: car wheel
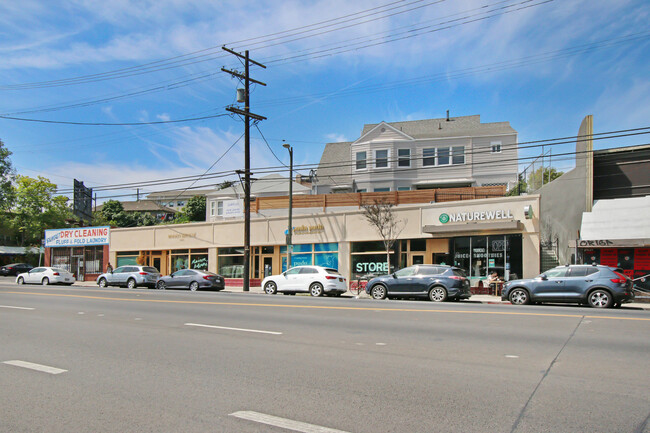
x=316, y=289
x=437, y=294
x=160, y=285
x=102, y=283
x=131, y=283
x=600, y=299
x=270, y=288
x=519, y=297
x=45, y=281
x=378, y=291
x=194, y=286
x=21, y=280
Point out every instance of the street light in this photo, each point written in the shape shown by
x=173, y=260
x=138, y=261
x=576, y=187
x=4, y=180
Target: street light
x=290, y=231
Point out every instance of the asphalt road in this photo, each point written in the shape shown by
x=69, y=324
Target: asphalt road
x=177, y=361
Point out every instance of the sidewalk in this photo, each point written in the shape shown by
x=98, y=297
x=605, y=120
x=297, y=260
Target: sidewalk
x=475, y=299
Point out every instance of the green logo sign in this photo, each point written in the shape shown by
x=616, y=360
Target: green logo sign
x=444, y=218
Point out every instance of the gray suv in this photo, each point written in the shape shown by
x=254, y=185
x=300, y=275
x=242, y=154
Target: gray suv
x=596, y=285
x=130, y=276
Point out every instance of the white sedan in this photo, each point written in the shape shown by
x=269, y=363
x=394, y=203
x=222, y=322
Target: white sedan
x=315, y=280
x=45, y=276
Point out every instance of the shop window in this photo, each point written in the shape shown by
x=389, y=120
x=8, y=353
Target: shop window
x=231, y=262
x=418, y=244
x=267, y=250
x=179, y=262
x=381, y=189
x=199, y=261
x=333, y=246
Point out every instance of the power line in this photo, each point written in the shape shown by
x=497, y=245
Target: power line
x=60, y=122
x=351, y=163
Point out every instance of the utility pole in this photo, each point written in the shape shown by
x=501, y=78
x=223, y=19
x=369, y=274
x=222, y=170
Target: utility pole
x=290, y=231
x=247, y=156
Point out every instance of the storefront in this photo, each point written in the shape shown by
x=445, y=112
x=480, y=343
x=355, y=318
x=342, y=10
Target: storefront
x=82, y=251
x=502, y=235
x=634, y=261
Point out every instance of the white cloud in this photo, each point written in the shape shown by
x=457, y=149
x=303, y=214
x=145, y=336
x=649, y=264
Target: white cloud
x=336, y=137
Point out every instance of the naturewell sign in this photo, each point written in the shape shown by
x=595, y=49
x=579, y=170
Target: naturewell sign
x=501, y=214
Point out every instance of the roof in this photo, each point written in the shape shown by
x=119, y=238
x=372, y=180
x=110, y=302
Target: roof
x=143, y=206
x=178, y=194
x=455, y=127
x=269, y=185
x=334, y=167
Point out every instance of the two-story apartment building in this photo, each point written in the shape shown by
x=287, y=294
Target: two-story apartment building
x=422, y=154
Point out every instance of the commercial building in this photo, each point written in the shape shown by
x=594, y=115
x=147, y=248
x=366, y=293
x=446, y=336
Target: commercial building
x=82, y=251
x=479, y=234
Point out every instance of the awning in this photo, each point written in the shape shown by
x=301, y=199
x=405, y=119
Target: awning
x=18, y=250
x=471, y=227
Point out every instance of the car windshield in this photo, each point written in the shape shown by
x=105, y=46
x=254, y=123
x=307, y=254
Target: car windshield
x=331, y=271
x=460, y=272
x=150, y=269
x=59, y=270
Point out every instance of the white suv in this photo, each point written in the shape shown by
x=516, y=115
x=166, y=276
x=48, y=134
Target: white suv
x=130, y=276
x=315, y=280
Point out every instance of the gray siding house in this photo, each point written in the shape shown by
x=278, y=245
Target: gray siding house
x=422, y=154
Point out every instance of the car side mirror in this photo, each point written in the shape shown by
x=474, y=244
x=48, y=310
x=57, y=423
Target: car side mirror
x=543, y=277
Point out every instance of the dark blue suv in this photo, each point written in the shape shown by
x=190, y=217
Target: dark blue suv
x=437, y=282
x=598, y=286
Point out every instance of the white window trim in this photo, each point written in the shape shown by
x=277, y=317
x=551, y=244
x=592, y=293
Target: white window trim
x=408, y=158
x=438, y=156
x=452, y=155
x=434, y=156
x=356, y=160
x=388, y=163
x=494, y=144
x=213, y=208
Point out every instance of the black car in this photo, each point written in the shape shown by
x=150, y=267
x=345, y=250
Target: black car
x=15, y=269
x=595, y=285
x=192, y=279
x=437, y=282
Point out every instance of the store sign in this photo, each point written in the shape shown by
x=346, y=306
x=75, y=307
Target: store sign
x=373, y=267
x=77, y=237
x=232, y=208
x=501, y=214
x=181, y=235
x=307, y=230
x=596, y=243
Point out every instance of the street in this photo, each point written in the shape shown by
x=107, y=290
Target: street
x=119, y=360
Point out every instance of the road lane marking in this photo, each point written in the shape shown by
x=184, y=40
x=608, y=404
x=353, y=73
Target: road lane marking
x=37, y=367
x=325, y=307
x=512, y=356
x=285, y=423
x=17, y=308
x=234, y=329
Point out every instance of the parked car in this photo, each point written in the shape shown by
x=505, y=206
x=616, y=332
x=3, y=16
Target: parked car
x=193, y=279
x=595, y=285
x=130, y=276
x=15, y=269
x=436, y=282
x=46, y=275
x=315, y=280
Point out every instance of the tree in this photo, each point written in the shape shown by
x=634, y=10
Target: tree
x=7, y=191
x=380, y=214
x=194, y=210
x=110, y=209
x=37, y=209
x=535, y=180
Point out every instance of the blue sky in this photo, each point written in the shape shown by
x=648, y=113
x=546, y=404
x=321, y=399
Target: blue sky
x=332, y=67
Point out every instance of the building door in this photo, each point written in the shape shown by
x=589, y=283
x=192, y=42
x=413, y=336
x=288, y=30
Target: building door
x=156, y=261
x=267, y=265
x=417, y=259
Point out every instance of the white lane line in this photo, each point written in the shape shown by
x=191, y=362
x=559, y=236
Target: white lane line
x=17, y=308
x=234, y=329
x=37, y=367
x=288, y=424
x=512, y=356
